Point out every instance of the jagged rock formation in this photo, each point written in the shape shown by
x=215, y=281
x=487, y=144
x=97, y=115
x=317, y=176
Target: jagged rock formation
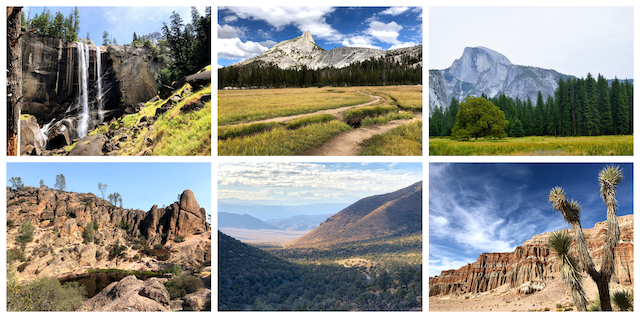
x=372, y=217
x=532, y=265
x=61, y=218
x=303, y=51
x=482, y=70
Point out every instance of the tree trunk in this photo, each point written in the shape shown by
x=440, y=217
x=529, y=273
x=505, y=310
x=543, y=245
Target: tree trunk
x=603, y=291
x=14, y=79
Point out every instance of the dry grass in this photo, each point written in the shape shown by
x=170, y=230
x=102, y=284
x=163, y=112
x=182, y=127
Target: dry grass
x=407, y=97
x=238, y=106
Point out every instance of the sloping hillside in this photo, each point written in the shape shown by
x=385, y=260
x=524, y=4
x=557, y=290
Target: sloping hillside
x=242, y=221
x=372, y=217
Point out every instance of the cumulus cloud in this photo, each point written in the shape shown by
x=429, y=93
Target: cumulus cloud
x=229, y=32
x=360, y=41
x=403, y=44
x=385, y=32
x=311, y=19
x=268, y=43
x=230, y=18
x=235, y=49
x=395, y=10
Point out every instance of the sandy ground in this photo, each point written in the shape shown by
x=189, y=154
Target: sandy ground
x=555, y=297
x=262, y=236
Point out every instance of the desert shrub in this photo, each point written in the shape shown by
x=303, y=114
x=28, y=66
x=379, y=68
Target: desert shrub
x=9, y=223
x=137, y=240
x=22, y=266
x=179, y=239
x=623, y=300
x=176, y=270
x=89, y=234
x=595, y=305
x=98, y=254
x=96, y=225
x=116, y=251
x=26, y=233
x=163, y=256
x=158, y=246
x=45, y=294
x=183, y=285
x=14, y=254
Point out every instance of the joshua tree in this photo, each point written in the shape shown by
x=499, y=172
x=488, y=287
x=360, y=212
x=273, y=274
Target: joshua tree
x=560, y=243
x=609, y=178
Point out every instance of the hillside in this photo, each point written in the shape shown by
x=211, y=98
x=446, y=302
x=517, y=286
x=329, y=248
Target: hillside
x=377, y=216
x=73, y=232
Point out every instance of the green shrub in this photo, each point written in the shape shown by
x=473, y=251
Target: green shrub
x=179, y=239
x=158, y=246
x=45, y=294
x=176, y=270
x=183, y=285
x=26, y=233
x=623, y=299
x=14, y=254
x=22, y=266
x=116, y=251
x=9, y=223
x=89, y=235
x=98, y=254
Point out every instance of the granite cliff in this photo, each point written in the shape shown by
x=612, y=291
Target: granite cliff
x=482, y=70
x=60, y=247
x=532, y=266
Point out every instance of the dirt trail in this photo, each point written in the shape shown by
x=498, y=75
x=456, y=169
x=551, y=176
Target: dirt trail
x=348, y=142
x=335, y=111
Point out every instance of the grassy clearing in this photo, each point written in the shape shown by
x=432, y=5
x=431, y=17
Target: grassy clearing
x=407, y=97
x=535, y=146
x=226, y=132
x=308, y=120
x=282, y=142
x=370, y=111
x=405, y=140
x=386, y=118
x=237, y=106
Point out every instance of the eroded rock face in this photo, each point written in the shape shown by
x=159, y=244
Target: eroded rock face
x=533, y=262
x=130, y=294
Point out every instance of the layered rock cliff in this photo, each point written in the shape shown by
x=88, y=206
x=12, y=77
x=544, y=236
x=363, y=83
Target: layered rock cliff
x=482, y=70
x=533, y=262
x=62, y=218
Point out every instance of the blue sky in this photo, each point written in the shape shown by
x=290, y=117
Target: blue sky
x=479, y=208
x=141, y=185
x=120, y=22
x=281, y=183
x=570, y=40
x=245, y=32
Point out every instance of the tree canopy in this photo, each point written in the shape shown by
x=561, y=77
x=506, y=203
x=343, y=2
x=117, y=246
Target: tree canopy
x=478, y=117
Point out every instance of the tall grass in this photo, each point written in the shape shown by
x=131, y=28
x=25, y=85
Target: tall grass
x=370, y=111
x=535, y=146
x=386, y=118
x=280, y=141
x=404, y=140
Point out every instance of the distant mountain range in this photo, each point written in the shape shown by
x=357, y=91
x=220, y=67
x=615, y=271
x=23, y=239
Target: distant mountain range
x=303, y=50
x=377, y=216
x=273, y=212
x=300, y=222
x=243, y=221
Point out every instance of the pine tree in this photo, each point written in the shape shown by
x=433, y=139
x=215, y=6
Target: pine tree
x=604, y=106
x=592, y=115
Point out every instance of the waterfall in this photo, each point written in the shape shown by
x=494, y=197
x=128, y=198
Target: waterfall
x=83, y=60
x=99, y=79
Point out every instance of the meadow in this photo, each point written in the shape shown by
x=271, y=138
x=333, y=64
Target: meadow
x=535, y=146
x=240, y=134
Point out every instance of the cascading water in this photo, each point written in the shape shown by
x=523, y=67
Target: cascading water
x=83, y=63
x=99, y=79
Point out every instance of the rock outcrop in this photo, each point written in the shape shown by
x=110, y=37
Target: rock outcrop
x=303, y=51
x=130, y=294
x=62, y=219
x=482, y=70
x=531, y=265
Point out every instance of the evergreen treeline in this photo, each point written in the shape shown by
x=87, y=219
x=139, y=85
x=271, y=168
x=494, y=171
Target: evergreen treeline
x=380, y=71
x=252, y=279
x=55, y=25
x=190, y=45
x=579, y=107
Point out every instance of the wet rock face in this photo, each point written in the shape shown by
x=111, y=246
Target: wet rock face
x=533, y=264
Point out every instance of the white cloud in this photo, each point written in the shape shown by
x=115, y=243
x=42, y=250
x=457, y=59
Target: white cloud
x=268, y=43
x=230, y=18
x=385, y=32
x=395, y=10
x=235, y=49
x=360, y=41
x=443, y=264
x=403, y=44
x=229, y=32
x=311, y=19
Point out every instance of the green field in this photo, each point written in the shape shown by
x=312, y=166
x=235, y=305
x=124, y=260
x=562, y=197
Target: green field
x=534, y=146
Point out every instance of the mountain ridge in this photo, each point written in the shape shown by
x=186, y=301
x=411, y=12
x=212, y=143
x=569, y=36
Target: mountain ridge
x=371, y=217
x=303, y=51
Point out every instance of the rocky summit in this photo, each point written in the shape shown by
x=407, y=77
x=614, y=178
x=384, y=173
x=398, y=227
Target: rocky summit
x=533, y=266
x=482, y=70
x=303, y=51
x=62, y=247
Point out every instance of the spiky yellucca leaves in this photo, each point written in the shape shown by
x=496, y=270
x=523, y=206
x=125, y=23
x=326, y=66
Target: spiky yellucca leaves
x=570, y=210
x=609, y=177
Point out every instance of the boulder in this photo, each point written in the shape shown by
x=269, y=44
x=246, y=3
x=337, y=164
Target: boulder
x=30, y=135
x=188, y=202
x=198, y=301
x=88, y=255
x=130, y=294
x=88, y=146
